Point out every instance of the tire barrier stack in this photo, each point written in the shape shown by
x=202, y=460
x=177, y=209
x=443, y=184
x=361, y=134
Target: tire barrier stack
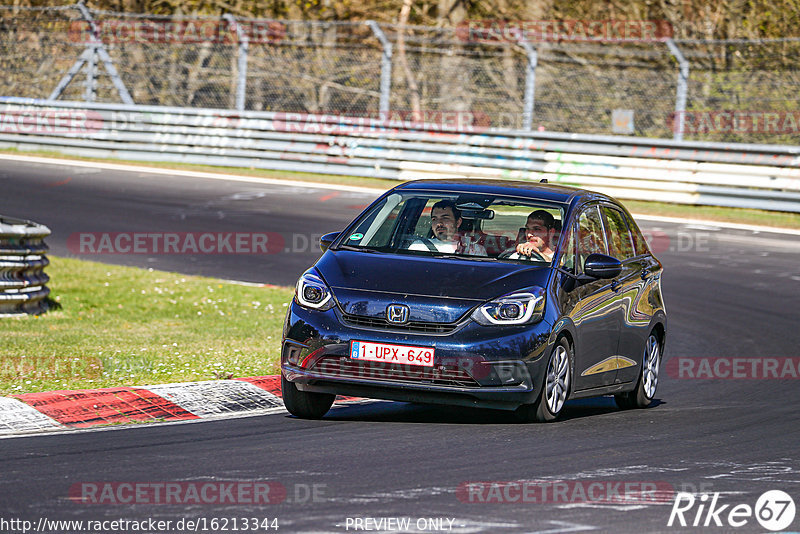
x=22, y=263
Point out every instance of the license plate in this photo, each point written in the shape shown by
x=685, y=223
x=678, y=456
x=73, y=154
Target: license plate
x=386, y=353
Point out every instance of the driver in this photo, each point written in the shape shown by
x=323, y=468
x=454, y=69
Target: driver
x=540, y=230
x=445, y=221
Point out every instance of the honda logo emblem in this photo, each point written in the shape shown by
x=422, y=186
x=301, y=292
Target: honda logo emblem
x=397, y=313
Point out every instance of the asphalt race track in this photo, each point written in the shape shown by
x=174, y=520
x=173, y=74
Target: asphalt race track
x=729, y=293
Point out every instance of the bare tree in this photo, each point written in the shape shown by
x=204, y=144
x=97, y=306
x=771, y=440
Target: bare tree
x=413, y=87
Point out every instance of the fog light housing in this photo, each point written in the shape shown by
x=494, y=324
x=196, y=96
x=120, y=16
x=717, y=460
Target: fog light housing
x=508, y=373
x=291, y=353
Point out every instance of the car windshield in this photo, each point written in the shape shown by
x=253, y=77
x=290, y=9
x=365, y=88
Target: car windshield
x=474, y=226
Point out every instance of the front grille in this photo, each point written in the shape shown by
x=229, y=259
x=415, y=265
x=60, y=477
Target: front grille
x=378, y=323
x=439, y=375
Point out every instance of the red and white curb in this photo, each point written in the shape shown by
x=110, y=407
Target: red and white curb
x=61, y=410
x=16, y=416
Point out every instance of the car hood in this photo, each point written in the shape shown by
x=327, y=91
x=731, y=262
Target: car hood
x=434, y=289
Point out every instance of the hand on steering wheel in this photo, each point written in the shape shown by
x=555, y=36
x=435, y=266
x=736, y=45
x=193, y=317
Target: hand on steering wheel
x=531, y=250
x=532, y=256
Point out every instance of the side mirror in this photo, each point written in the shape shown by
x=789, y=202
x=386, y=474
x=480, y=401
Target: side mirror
x=326, y=240
x=602, y=266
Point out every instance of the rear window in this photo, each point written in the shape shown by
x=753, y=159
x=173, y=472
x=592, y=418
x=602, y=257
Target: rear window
x=639, y=242
x=618, y=236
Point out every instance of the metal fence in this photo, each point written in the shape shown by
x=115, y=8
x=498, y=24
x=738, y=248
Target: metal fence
x=22, y=263
x=362, y=69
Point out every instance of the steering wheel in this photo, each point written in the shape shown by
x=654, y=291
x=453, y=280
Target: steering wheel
x=408, y=241
x=535, y=256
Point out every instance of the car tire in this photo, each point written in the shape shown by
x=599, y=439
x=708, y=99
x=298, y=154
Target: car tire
x=555, y=388
x=642, y=396
x=304, y=404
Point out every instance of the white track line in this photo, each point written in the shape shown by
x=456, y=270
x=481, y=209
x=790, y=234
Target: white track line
x=718, y=224
x=190, y=174
x=339, y=187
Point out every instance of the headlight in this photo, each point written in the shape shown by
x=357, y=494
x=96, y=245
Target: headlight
x=312, y=292
x=521, y=307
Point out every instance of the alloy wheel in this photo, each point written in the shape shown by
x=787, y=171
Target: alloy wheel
x=652, y=359
x=557, y=379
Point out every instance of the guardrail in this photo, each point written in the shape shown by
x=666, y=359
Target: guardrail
x=735, y=175
x=22, y=263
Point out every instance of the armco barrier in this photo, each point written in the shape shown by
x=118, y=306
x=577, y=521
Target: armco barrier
x=22, y=263
x=735, y=175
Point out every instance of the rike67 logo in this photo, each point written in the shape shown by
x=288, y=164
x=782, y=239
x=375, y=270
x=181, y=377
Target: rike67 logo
x=774, y=510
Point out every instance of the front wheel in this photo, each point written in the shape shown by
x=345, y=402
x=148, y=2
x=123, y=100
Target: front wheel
x=642, y=396
x=304, y=404
x=555, y=388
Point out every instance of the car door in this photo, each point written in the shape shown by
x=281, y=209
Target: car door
x=628, y=287
x=643, y=302
x=594, y=308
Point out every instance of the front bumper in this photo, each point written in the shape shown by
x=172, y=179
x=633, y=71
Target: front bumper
x=491, y=367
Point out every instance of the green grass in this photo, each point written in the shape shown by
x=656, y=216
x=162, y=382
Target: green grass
x=124, y=326
x=710, y=213
x=778, y=219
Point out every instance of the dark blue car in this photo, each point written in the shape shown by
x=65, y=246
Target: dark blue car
x=496, y=294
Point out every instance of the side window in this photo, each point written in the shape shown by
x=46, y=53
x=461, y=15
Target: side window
x=568, y=256
x=590, y=236
x=378, y=236
x=640, y=243
x=617, y=235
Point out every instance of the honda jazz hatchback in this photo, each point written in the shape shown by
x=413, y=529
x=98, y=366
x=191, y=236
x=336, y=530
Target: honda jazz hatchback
x=497, y=294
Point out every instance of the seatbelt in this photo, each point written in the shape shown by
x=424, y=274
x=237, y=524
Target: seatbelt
x=430, y=245
x=460, y=247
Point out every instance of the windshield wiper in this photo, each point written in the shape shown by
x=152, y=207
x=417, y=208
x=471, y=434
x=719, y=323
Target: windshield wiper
x=357, y=249
x=463, y=257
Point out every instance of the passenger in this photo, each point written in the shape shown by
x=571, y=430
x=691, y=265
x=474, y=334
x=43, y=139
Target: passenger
x=539, y=232
x=445, y=221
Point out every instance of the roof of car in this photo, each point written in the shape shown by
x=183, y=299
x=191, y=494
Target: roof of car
x=533, y=190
